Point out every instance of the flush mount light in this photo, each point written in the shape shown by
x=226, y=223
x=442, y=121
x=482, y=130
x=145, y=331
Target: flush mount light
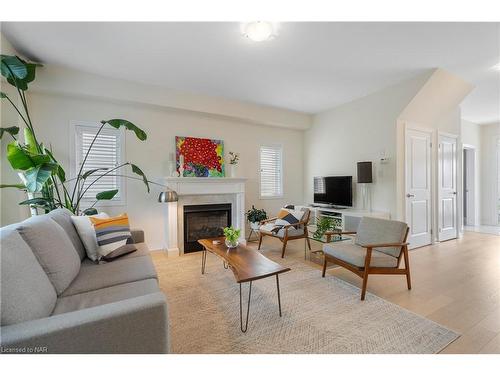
x=259, y=31
x=496, y=67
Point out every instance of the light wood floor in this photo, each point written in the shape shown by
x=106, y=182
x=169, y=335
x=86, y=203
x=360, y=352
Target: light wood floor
x=455, y=283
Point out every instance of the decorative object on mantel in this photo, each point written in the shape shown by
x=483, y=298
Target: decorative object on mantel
x=255, y=216
x=232, y=234
x=199, y=157
x=365, y=178
x=234, y=158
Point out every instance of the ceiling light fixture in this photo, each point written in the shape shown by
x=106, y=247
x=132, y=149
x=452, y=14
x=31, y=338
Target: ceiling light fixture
x=496, y=67
x=259, y=31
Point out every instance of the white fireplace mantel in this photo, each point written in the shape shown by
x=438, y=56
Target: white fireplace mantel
x=208, y=190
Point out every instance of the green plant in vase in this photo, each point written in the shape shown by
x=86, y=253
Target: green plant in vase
x=255, y=216
x=325, y=224
x=232, y=235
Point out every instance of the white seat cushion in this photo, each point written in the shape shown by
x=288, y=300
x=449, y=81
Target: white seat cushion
x=355, y=255
x=267, y=229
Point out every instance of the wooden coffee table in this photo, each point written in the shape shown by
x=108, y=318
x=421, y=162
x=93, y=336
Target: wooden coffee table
x=247, y=265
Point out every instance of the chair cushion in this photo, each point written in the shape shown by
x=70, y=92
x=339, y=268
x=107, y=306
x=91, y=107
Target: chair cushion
x=25, y=289
x=53, y=249
x=106, y=295
x=62, y=216
x=287, y=216
x=267, y=228
x=355, y=255
x=124, y=270
x=373, y=230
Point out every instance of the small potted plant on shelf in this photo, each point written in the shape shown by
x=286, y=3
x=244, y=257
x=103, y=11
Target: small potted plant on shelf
x=255, y=216
x=232, y=235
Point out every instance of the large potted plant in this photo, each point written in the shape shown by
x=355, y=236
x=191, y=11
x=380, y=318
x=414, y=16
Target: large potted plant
x=41, y=176
x=255, y=216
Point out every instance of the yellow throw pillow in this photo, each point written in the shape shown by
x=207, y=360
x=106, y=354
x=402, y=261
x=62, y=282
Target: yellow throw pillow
x=111, y=233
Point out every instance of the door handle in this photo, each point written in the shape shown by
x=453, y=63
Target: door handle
x=410, y=195
x=454, y=193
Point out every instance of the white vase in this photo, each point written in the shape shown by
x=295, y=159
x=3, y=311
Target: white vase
x=255, y=226
x=232, y=170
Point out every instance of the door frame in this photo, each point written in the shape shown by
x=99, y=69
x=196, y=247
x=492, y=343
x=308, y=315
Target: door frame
x=458, y=196
x=433, y=158
x=467, y=147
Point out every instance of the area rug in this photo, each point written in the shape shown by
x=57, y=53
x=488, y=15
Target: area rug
x=320, y=315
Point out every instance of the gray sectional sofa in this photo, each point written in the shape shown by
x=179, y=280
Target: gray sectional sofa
x=56, y=300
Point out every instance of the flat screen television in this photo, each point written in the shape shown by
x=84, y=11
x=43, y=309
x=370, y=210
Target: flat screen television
x=333, y=191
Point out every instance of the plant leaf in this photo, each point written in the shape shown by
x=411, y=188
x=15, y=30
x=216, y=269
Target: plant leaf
x=61, y=174
x=92, y=171
x=90, y=211
x=16, y=65
x=38, y=201
x=37, y=177
x=106, y=195
x=12, y=130
x=138, y=171
x=21, y=159
x=29, y=140
x=118, y=123
x=18, y=186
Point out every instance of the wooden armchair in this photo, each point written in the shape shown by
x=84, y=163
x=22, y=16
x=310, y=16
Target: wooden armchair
x=378, y=248
x=287, y=232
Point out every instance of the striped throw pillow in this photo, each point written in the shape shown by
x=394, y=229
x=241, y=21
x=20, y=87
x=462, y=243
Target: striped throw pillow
x=111, y=233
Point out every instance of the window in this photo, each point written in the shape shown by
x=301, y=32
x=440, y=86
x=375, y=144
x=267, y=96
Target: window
x=107, y=152
x=271, y=171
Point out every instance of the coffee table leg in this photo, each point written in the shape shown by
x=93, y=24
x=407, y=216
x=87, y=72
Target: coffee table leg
x=278, y=287
x=248, y=309
x=203, y=260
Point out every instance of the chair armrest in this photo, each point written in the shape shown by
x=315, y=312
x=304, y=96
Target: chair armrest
x=135, y=325
x=371, y=246
x=268, y=220
x=137, y=236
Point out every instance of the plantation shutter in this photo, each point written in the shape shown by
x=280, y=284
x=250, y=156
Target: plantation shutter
x=105, y=153
x=271, y=173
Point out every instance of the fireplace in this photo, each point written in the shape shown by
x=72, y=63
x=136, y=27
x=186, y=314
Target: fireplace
x=204, y=221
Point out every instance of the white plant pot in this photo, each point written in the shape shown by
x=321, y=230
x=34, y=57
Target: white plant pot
x=255, y=226
x=233, y=170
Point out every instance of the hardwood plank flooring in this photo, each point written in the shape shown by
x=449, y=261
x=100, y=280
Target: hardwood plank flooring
x=455, y=283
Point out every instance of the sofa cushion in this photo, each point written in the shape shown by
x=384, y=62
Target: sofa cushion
x=355, y=255
x=142, y=250
x=25, y=290
x=53, y=249
x=124, y=270
x=62, y=217
x=86, y=232
x=373, y=230
x=106, y=295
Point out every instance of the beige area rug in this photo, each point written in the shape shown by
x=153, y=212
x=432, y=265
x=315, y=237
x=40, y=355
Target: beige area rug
x=320, y=315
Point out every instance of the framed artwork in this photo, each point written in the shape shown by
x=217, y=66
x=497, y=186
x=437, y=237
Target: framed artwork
x=199, y=157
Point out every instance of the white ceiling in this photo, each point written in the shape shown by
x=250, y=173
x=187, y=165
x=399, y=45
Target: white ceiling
x=309, y=67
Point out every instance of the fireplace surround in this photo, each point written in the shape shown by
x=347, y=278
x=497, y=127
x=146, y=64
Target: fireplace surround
x=202, y=191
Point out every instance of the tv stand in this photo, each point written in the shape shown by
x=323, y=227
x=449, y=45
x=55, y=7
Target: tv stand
x=348, y=218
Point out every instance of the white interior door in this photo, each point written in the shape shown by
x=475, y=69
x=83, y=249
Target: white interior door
x=418, y=186
x=447, y=188
x=469, y=186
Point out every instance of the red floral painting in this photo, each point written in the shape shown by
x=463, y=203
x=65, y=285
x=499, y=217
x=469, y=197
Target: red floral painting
x=199, y=157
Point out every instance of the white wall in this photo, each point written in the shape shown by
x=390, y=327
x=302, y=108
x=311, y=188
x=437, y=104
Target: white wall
x=490, y=135
x=52, y=115
x=471, y=137
x=362, y=130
